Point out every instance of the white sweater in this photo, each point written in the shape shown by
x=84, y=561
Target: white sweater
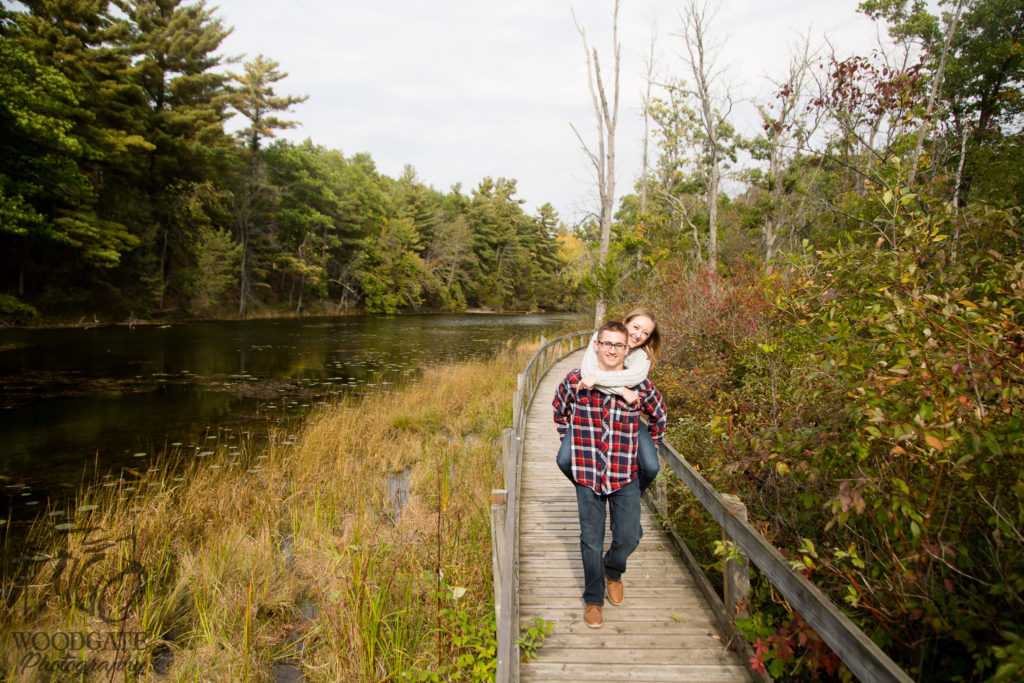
x=637, y=363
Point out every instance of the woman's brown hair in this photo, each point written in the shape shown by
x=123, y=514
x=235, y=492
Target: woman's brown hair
x=653, y=342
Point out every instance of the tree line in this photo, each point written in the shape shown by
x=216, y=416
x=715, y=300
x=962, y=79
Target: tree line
x=934, y=115
x=122, y=192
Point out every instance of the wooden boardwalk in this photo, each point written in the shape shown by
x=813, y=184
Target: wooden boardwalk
x=663, y=631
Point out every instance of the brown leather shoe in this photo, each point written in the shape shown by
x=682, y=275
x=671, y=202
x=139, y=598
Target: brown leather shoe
x=615, y=592
x=592, y=616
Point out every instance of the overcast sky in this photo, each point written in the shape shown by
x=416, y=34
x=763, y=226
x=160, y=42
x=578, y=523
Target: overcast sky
x=462, y=89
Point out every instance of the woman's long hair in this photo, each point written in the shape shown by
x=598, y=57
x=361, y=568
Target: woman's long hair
x=653, y=342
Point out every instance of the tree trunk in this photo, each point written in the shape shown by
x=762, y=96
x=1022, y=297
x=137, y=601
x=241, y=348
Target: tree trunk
x=243, y=279
x=163, y=271
x=603, y=159
x=933, y=92
x=713, y=182
x=712, y=114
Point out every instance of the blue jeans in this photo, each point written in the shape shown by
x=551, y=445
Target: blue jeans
x=646, y=459
x=624, y=507
x=564, y=457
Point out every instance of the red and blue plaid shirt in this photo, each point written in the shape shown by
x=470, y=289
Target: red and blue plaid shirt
x=605, y=431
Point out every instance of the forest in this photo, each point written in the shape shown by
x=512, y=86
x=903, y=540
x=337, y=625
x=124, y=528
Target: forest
x=841, y=295
x=122, y=195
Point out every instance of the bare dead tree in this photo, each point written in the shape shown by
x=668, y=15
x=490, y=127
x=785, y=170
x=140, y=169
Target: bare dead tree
x=715, y=105
x=603, y=159
x=645, y=162
x=782, y=127
x=937, y=79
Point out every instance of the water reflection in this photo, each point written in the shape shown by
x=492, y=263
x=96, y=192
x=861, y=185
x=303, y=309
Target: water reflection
x=75, y=399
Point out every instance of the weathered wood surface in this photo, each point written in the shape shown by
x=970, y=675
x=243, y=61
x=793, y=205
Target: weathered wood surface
x=663, y=631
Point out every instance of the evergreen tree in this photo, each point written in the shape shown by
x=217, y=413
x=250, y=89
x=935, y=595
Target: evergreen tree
x=496, y=219
x=183, y=111
x=391, y=273
x=255, y=99
x=308, y=214
x=78, y=48
x=36, y=155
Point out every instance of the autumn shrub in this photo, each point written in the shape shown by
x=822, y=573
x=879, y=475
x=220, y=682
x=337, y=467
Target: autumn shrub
x=872, y=422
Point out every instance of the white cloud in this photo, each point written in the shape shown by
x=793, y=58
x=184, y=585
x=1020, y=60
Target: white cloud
x=463, y=89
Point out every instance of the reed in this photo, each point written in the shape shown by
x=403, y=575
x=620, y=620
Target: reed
x=223, y=567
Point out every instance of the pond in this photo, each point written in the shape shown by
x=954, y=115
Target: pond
x=79, y=402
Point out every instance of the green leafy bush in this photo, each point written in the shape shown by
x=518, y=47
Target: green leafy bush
x=14, y=311
x=876, y=410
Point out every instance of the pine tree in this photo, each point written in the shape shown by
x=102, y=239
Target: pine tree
x=183, y=111
x=255, y=99
x=76, y=48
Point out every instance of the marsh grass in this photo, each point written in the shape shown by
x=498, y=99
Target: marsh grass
x=228, y=564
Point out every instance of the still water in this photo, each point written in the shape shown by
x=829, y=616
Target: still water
x=75, y=403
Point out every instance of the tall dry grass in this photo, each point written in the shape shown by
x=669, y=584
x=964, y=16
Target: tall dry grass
x=230, y=566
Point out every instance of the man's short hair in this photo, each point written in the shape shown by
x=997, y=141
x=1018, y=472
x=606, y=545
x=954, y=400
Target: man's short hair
x=613, y=326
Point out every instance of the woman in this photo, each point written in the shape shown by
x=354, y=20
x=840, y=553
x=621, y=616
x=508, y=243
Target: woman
x=644, y=342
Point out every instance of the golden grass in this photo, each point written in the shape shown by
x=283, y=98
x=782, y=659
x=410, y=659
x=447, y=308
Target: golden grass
x=231, y=564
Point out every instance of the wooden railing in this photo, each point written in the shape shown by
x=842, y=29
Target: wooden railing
x=505, y=503
x=858, y=652
x=865, y=659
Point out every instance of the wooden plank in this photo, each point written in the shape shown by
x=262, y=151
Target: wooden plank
x=653, y=641
x=609, y=670
x=616, y=653
x=695, y=634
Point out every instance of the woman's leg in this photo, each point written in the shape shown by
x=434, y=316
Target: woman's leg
x=647, y=458
x=564, y=457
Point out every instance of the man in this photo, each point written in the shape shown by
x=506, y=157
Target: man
x=604, y=432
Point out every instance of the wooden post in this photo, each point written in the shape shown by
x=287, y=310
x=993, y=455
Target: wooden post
x=661, y=487
x=736, y=569
x=517, y=400
x=499, y=499
x=508, y=438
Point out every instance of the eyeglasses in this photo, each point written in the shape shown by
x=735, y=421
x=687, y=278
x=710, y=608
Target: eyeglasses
x=618, y=346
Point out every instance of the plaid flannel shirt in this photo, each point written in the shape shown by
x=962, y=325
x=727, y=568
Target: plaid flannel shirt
x=605, y=431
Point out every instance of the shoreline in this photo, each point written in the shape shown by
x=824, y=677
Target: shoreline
x=96, y=323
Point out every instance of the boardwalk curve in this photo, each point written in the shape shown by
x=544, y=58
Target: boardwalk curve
x=663, y=631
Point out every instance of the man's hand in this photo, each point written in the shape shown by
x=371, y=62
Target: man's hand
x=631, y=397
x=587, y=382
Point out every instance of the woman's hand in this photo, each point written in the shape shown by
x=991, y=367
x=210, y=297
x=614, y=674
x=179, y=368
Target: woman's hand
x=587, y=382
x=631, y=397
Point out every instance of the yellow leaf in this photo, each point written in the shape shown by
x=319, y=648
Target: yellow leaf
x=936, y=443
x=898, y=450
